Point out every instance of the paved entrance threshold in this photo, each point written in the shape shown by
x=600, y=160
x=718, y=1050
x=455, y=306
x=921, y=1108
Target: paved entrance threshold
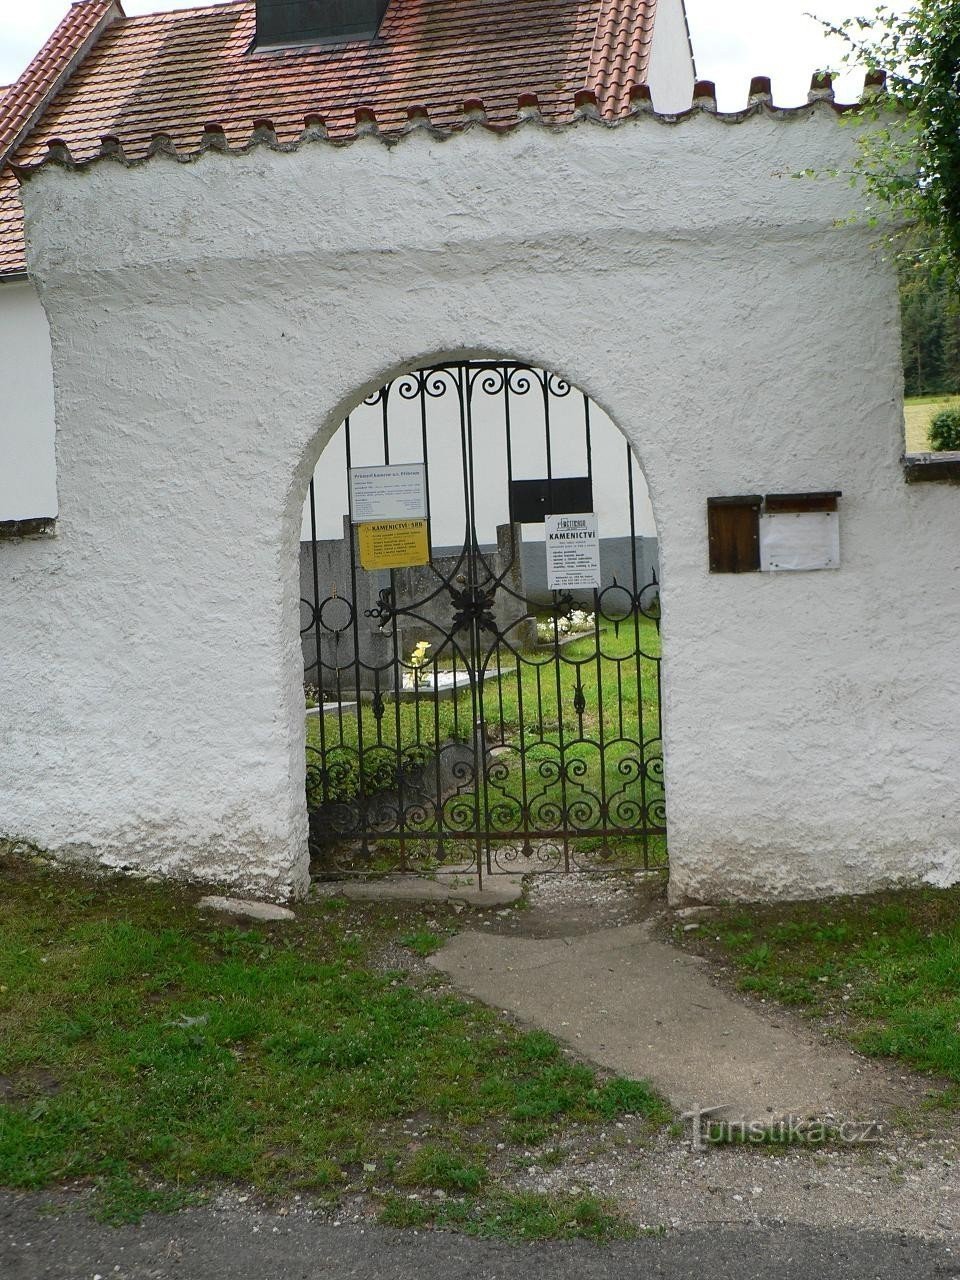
x=629, y=1002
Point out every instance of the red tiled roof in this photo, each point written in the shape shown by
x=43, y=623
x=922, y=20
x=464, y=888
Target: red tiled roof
x=27, y=95
x=176, y=72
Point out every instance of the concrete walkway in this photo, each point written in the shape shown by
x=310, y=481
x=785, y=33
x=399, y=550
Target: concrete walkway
x=649, y=1011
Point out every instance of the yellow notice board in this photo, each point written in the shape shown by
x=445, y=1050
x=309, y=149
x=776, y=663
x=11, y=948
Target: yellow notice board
x=394, y=544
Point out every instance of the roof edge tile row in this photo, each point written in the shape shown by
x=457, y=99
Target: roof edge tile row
x=585, y=109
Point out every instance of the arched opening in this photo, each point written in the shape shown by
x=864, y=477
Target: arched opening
x=480, y=626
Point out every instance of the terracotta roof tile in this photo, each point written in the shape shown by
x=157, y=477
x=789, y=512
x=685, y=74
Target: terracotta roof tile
x=177, y=72
x=621, y=54
x=24, y=98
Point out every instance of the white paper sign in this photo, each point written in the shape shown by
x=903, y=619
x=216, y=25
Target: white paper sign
x=573, y=552
x=799, y=541
x=395, y=492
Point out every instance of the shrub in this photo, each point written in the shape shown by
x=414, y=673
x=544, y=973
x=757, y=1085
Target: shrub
x=945, y=430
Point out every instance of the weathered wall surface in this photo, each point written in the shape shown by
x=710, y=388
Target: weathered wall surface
x=212, y=322
x=28, y=486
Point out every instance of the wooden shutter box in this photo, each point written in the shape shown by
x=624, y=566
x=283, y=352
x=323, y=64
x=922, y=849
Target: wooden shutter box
x=734, y=527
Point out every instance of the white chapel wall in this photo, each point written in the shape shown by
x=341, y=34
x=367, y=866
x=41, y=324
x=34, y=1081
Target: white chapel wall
x=811, y=720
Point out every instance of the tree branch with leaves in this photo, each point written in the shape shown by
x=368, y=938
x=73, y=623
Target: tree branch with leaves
x=911, y=162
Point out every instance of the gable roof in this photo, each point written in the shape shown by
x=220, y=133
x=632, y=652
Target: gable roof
x=175, y=73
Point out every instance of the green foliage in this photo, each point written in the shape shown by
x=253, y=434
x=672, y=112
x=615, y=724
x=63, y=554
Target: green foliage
x=930, y=320
x=912, y=163
x=945, y=430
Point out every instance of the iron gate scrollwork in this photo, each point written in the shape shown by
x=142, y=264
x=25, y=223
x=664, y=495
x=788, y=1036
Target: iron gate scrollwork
x=524, y=733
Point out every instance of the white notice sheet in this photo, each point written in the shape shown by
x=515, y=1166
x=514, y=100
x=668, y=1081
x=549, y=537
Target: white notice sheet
x=573, y=552
x=394, y=492
x=799, y=541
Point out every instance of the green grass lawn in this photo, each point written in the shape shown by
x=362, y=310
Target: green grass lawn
x=885, y=969
x=158, y=1054
x=581, y=737
x=919, y=412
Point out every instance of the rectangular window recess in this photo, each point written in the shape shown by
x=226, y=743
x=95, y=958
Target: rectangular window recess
x=932, y=468
x=797, y=503
x=39, y=527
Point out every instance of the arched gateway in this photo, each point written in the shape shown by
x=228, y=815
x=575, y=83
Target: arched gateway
x=482, y=632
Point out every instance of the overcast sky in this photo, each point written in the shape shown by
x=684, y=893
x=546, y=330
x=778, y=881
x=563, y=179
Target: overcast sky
x=733, y=40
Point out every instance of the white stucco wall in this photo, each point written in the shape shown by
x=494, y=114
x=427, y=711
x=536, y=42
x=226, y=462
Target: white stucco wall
x=213, y=322
x=28, y=484
x=671, y=74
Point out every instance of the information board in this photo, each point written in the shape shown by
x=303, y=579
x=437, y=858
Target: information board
x=799, y=542
x=394, y=492
x=573, y=552
x=394, y=544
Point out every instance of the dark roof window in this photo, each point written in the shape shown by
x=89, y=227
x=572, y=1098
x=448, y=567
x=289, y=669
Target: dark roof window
x=286, y=22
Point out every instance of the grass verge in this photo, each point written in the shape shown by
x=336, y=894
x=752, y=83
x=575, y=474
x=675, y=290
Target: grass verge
x=884, y=969
x=158, y=1054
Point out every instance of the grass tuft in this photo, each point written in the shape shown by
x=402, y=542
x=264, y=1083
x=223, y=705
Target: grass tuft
x=517, y=1217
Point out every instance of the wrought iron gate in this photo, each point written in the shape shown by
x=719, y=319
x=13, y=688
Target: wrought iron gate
x=524, y=733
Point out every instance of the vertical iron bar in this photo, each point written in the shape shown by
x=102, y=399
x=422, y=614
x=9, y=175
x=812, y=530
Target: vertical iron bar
x=476, y=680
x=516, y=547
x=422, y=396
x=362, y=815
x=316, y=640
x=601, y=712
x=438, y=753
x=639, y=661
x=589, y=437
x=558, y=658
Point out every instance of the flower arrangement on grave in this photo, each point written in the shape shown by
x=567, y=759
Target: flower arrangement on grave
x=578, y=621
x=417, y=663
